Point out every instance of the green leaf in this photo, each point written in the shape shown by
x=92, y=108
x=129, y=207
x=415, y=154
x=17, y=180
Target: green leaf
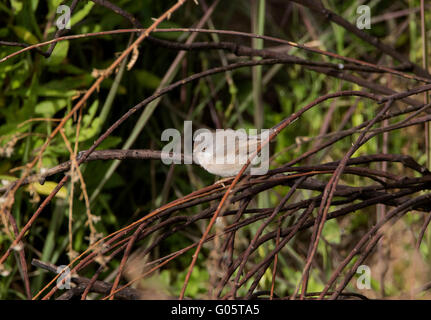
x=25, y=35
x=87, y=119
x=48, y=108
x=54, y=89
x=20, y=75
x=147, y=79
x=34, y=4
x=59, y=53
x=81, y=14
x=53, y=4
x=44, y=189
x=64, y=88
x=89, y=132
x=109, y=143
x=47, y=188
x=16, y=5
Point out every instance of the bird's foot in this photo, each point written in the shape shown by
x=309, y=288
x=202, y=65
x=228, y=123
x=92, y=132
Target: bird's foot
x=222, y=181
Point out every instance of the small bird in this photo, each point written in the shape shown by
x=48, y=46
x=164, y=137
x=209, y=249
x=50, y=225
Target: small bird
x=225, y=152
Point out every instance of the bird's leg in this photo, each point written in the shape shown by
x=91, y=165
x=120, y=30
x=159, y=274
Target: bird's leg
x=222, y=181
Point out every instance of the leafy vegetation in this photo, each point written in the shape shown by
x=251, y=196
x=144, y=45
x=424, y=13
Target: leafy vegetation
x=37, y=92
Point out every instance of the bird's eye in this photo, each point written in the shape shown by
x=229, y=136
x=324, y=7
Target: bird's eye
x=204, y=149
